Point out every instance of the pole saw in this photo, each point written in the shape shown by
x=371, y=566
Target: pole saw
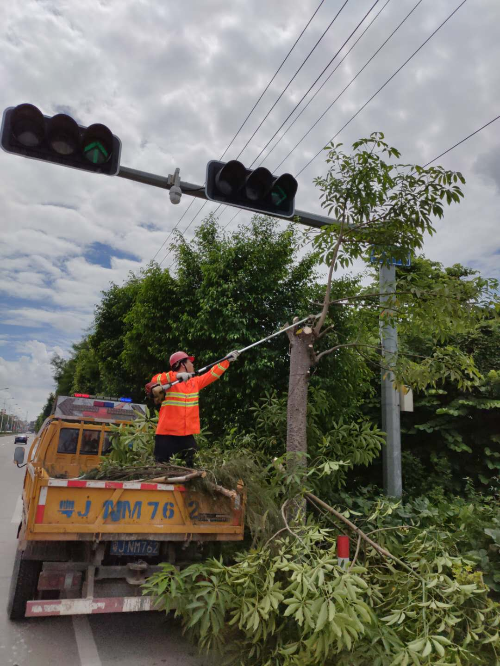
x=165, y=387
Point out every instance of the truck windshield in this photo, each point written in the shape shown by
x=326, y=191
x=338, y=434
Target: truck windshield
x=68, y=440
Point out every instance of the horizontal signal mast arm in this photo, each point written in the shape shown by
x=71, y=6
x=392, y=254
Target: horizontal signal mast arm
x=198, y=191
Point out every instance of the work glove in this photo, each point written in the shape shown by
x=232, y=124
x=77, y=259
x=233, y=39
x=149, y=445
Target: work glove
x=158, y=394
x=184, y=376
x=149, y=387
x=232, y=356
x=155, y=391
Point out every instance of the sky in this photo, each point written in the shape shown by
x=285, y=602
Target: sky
x=175, y=81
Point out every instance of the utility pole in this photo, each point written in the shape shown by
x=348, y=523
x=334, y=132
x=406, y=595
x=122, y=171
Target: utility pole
x=391, y=454
x=6, y=388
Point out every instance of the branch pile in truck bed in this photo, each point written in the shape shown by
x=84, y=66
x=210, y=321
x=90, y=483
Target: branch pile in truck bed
x=157, y=473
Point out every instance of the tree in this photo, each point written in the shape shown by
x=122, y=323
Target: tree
x=229, y=290
x=454, y=433
x=46, y=411
x=389, y=206
x=64, y=370
x=107, y=339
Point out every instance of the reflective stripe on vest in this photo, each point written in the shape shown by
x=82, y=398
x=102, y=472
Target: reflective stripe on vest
x=179, y=399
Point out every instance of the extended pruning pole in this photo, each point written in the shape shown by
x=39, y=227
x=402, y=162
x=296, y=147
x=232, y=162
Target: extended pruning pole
x=259, y=342
x=240, y=351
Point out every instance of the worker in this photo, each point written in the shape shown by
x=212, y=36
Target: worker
x=179, y=418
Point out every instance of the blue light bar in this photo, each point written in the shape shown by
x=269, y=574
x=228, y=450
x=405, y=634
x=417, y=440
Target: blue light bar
x=125, y=399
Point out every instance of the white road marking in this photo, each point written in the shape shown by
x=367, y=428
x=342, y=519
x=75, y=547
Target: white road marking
x=87, y=649
x=18, y=511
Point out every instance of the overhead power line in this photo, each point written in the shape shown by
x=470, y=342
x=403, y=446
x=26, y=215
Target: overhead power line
x=194, y=218
x=462, y=141
x=172, y=231
x=274, y=76
x=293, y=77
x=348, y=85
x=234, y=216
x=384, y=85
x=314, y=83
x=324, y=82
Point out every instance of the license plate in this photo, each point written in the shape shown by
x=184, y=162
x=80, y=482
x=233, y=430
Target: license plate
x=135, y=548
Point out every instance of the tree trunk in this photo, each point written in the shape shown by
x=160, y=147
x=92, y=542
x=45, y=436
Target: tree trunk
x=301, y=354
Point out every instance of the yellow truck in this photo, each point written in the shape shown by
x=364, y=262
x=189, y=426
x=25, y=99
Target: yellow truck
x=86, y=546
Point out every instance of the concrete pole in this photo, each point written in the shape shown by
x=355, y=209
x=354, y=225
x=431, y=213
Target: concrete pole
x=4, y=408
x=391, y=454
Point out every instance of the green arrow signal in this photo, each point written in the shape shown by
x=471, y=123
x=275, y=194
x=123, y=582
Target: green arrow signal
x=96, y=153
x=278, y=195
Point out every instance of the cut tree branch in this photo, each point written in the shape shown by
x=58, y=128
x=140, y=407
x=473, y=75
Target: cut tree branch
x=315, y=501
x=180, y=479
x=346, y=344
x=327, y=330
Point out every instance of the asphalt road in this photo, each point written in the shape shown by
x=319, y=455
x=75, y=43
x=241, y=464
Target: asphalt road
x=125, y=639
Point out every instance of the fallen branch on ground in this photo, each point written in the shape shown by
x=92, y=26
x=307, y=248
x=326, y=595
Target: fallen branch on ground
x=315, y=501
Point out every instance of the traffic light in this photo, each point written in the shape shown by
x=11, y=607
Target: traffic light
x=59, y=139
x=258, y=190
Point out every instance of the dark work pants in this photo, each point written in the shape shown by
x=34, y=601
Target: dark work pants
x=167, y=446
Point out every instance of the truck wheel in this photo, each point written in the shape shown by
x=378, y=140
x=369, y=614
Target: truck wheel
x=23, y=586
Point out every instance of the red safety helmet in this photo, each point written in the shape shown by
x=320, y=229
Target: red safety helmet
x=179, y=356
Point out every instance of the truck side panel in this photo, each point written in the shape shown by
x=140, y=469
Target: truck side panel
x=106, y=507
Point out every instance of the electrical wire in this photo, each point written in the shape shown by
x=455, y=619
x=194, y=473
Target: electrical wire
x=384, y=85
x=462, y=141
x=234, y=216
x=182, y=234
x=172, y=231
x=274, y=76
x=293, y=77
x=314, y=83
x=350, y=83
x=324, y=83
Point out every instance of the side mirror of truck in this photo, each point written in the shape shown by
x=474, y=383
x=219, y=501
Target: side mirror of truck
x=19, y=455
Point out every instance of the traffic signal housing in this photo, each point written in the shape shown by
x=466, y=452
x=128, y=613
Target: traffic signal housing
x=258, y=190
x=59, y=139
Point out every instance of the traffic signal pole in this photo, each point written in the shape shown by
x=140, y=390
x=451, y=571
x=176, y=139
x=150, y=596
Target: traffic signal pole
x=198, y=191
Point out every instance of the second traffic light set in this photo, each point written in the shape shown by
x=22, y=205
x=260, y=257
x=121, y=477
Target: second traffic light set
x=258, y=190
x=59, y=139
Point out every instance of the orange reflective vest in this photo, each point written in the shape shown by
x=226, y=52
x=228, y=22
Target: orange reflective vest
x=180, y=412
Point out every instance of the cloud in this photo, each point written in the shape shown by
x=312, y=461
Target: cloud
x=175, y=82
x=487, y=165
x=66, y=321
x=28, y=397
